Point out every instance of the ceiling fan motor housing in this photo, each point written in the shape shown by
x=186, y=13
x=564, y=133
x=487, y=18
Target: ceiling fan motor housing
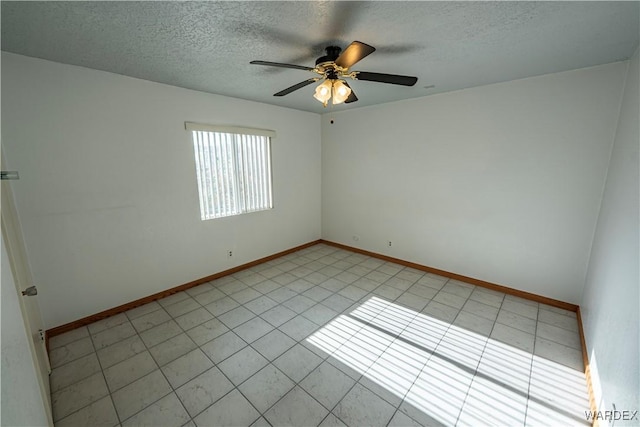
x=333, y=52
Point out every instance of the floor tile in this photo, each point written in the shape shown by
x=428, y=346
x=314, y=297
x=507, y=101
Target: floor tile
x=422, y=291
x=172, y=299
x=300, y=285
x=559, y=335
x=449, y=299
x=149, y=320
x=438, y=393
x=400, y=419
x=100, y=413
x=297, y=362
x=171, y=349
x=221, y=306
x=327, y=384
x=559, y=320
x=268, y=378
x=182, y=307
x=160, y=333
x=242, y=365
x=460, y=289
x=261, y=304
x=520, y=308
x=273, y=344
x=352, y=292
x=278, y=315
x=479, y=309
x=112, y=335
x=231, y=410
x=387, y=292
x=107, y=323
x=345, y=349
x=319, y=314
x=208, y=297
x=280, y=295
x=207, y=331
x=504, y=407
x=129, y=370
x=559, y=353
x=204, y=390
x=284, y=278
x=223, y=346
x=361, y=407
x=471, y=322
x=316, y=278
x=70, y=352
x=570, y=399
x=332, y=421
x=399, y=283
x=200, y=289
x=506, y=365
x=337, y=302
x=166, y=412
x=68, y=337
x=516, y=321
x=267, y=286
x=412, y=301
x=232, y=287
x=138, y=395
x=297, y=408
x=487, y=296
x=235, y=317
x=193, y=318
x=186, y=367
x=120, y=351
x=253, y=329
x=440, y=311
x=78, y=395
x=73, y=372
x=513, y=337
x=245, y=295
x=299, y=303
x=433, y=281
x=298, y=328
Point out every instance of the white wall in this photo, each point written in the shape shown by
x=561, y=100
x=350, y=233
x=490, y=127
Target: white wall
x=21, y=401
x=500, y=183
x=107, y=193
x=610, y=302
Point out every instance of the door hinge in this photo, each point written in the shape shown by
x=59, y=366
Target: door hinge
x=30, y=291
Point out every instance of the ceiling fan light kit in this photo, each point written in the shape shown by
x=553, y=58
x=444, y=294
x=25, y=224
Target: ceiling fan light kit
x=333, y=68
x=336, y=90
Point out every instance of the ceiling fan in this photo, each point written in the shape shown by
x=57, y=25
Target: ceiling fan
x=333, y=68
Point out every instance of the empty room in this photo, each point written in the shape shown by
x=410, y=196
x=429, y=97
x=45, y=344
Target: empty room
x=320, y=213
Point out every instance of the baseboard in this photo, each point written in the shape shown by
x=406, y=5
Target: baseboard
x=587, y=371
x=470, y=280
x=145, y=300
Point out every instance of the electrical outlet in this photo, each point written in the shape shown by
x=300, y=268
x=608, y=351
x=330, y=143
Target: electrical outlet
x=230, y=254
x=389, y=243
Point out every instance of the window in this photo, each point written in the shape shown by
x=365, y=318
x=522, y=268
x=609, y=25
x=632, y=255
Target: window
x=233, y=169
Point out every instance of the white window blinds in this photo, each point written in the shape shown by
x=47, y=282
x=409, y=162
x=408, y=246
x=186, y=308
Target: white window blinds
x=233, y=169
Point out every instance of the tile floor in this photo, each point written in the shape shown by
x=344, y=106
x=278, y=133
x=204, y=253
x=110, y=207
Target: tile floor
x=324, y=337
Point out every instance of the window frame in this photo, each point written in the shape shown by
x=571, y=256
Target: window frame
x=236, y=182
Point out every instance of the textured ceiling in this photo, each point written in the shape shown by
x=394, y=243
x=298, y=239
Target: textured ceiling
x=207, y=46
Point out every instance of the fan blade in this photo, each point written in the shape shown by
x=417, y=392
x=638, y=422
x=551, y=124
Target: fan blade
x=354, y=53
x=352, y=96
x=281, y=65
x=393, y=79
x=295, y=87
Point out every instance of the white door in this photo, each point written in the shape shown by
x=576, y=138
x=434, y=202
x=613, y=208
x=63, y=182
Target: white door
x=29, y=321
